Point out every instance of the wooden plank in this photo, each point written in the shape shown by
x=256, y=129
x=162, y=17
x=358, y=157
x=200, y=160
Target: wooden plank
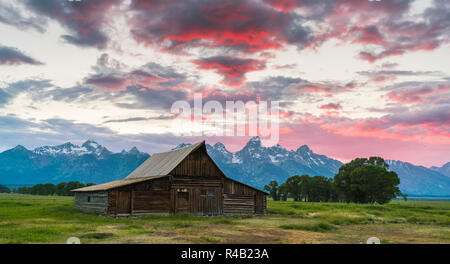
x=132, y=202
x=116, y=201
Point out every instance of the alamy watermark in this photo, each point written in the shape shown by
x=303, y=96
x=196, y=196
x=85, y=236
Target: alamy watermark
x=235, y=118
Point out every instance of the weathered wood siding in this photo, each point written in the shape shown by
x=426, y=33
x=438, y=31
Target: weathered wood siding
x=197, y=186
x=260, y=203
x=196, y=182
x=234, y=187
x=112, y=202
x=150, y=197
x=204, y=195
x=197, y=164
x=93, y=202
x=238, y=204
x=242, y=199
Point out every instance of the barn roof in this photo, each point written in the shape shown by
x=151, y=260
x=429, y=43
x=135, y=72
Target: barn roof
x=115, y=184
x=163, y=163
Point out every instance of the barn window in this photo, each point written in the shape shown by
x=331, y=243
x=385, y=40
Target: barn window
x=203, y=192
x=210, y=192
x=89, y=199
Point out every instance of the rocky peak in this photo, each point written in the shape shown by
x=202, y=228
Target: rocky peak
x=304, y=149
x=134, y=151
x=182, y=145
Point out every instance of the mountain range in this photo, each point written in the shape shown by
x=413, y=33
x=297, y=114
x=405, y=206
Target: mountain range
x=89, y=162
x=254, y=164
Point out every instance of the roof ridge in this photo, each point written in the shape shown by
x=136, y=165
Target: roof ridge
x=180, y=148
x=164, y=162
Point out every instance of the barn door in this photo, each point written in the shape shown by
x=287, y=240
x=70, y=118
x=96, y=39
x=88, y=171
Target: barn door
x=124, y=202
x=210, y=202
x=182, y=201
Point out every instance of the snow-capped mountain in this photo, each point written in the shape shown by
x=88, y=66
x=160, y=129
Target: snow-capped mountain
x=182, y=145
x=257, y=165
x=254, y=164
x=69, y=149
x=89, y=162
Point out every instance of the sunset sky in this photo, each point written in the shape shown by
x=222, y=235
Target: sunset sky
x=354, y=78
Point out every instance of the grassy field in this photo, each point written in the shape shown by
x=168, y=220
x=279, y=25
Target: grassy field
x=50, y=219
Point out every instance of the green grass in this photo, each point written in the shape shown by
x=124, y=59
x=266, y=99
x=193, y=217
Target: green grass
x=317, y=227
x=52, y=219
x=432, y=213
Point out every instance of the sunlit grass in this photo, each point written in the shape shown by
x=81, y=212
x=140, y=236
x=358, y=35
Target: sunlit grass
x=52, y=219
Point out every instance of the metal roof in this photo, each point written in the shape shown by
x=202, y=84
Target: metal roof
x=114, y=184
x=163, y=163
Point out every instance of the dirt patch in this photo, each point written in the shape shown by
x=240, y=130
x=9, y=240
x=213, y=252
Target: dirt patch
x=311, y=215
x=97, y=235
x=163, y=234
x=245, y=235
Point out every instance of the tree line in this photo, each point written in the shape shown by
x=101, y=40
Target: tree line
x=62, y=189
x=4, y=189
x=360, y=181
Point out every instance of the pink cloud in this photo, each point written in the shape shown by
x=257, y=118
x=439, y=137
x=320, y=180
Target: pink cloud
x=231, y=68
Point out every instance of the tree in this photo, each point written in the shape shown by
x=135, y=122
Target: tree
x=4, y=189
x=367, y=181
x=73, y=185
x=272, y=188
x=283, y=192
x=404, y=196
x=297, y=187
x=61, y=189
x=319, y=189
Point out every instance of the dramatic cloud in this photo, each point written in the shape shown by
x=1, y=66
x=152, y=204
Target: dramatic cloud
x=135, y=119
x=331, y=106
x=420, y=92
x=233, y=69
x=424, y=124
x=148, y=98
x=390, y=75
x=288, y=90
x=241, y=25
x=84, y=19
x=403, y=36
x=13, y=16
x=66, y=94
x=27, y=86
x=151, y=86
x=13, y=56
x=382, y=27
x=4, y=97
x=110, y=74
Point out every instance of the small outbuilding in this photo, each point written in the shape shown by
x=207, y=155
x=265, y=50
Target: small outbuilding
x=184, y=180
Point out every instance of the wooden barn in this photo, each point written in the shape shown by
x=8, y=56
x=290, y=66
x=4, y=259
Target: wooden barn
x=184, y=180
